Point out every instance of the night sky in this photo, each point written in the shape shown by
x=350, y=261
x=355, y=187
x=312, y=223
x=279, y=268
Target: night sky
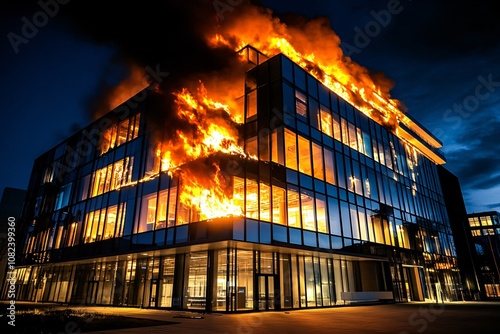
x=442, y=56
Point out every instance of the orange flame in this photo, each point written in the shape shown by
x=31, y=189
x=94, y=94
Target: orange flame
x=316, y=48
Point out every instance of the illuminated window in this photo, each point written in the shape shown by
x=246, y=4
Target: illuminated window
x=239, y=193
x=277, y=147
x=252, y=104
x=473, y=221
x=326, y=121
x=279, y=206
x=353, y=140
x=147, y=217
x=112, y=176
x=119, y=134
x=329, y=166
x=300, y=103
x=265, y=202
x=252, y=199
x=345, y=131
x=336, y=127
x=251, y=146
x=161, y=213
x=62, y=198
x=172, y=205
x=321, y=213
x=109, y=229
x=293, y=205
x=304, y=156
x=307, y=206
x=291, y=150
x=318, y=161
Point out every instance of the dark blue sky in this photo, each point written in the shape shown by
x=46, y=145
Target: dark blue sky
x=443, y=57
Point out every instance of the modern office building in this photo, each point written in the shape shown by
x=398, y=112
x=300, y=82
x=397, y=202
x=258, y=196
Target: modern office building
x=485, y=230
x=324, y=206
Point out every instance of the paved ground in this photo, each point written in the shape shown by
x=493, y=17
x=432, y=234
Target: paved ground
x=455, y=317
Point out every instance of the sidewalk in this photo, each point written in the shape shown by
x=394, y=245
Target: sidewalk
x=453, y=317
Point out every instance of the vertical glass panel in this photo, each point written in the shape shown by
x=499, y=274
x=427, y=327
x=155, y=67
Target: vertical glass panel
x=252, y=104
x=336, y=127
x=244, y=280
x=345, y=131
x=172, y=201
x=354, y=221
x=326, y=121
x=265, y=202
x=239, y=193
x=307, y=205
x=161, y=218
x=293, y=207
x=314, y=115
x=341, y=179
x=197, y=280
x=321, y=213
x=279, y=205
x=109, y=229
x=318, y=161
x=252, y=199
x=300, y=103
x=329, y=166
x=278, y=152
x=251, y=146
x=362, y=224
x=291, y=150
x=147, y=218
x=334, y=216
x=302, y=282
x=325, y=281
x=310, y=285
x=220, y=279
x=346, y=220
x=304, y=156
x=167, y=281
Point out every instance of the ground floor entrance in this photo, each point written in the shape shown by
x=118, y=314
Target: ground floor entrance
x=228, y=279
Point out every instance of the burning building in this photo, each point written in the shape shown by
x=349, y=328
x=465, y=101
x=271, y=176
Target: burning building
x=291, y=183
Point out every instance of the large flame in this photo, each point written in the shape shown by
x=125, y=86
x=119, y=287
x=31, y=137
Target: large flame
x=315, y=47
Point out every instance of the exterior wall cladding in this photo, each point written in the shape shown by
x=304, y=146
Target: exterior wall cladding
x=337, y=210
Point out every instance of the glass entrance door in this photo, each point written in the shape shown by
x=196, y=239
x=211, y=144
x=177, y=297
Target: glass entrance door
x=266, y=292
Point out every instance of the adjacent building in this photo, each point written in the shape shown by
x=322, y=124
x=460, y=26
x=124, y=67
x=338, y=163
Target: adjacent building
x=485, y=230
x=325, y=207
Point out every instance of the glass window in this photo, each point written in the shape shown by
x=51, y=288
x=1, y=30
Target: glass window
x=304, y=156
x=277, y=147
x=291, y=150
x=109, y=229
x=252, y=103
x=307, y=205
x=197, y=280
x=252, y=199
x=293, y=205
x=321, y=213
x=336, y=127
x=318, y=161
x=147, y=217
x=265, y=202
x=314, y=116
x=161, y=219
x=300, y=103
x=172, y=205
x=251, y=146
x=329, y=166
x=279, y=206
x=345, y=131
x=326, y=121
x=353, y=140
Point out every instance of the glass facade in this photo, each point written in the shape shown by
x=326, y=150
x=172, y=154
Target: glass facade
x=330, y=208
